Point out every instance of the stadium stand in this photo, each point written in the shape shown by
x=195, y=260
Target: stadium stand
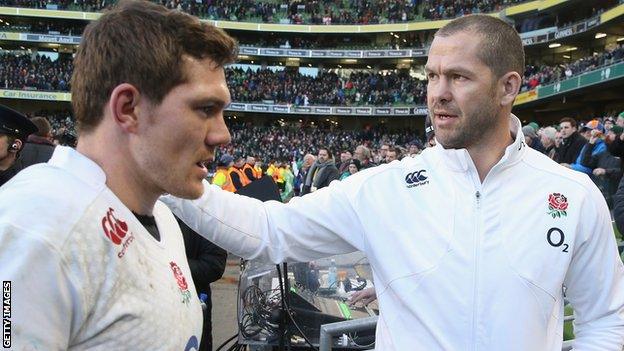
x=301, y=12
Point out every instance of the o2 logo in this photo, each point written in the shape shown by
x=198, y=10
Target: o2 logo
x=556, y=238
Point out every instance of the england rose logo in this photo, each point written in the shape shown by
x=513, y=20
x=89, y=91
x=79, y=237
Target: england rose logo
x=182, y=284
x=557, y=205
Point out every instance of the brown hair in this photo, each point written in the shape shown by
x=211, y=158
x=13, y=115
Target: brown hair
x=570, y=120
x=43, y=126
x=501, y=47
x=140, y=43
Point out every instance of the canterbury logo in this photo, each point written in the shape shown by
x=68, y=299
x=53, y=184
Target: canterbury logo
x=114, y=228
x=416, y=178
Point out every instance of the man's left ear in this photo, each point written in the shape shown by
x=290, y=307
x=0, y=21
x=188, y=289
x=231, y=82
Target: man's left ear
x=16, y=146
x=510, y=82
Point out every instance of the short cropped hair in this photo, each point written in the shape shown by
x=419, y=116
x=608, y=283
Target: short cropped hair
x=501, y=47
x=571, y=120
x=140, y=43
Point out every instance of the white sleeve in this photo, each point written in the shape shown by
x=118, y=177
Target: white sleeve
x=320, y=224
x=595, y=280
x=44, y=302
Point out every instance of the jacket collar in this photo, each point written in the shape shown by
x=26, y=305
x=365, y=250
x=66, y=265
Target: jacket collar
x=458, y=160
x=78, y=165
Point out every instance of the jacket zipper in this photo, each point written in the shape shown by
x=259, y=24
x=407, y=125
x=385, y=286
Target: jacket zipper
x=477, y=242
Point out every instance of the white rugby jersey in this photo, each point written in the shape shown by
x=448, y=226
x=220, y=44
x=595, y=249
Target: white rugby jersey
x=458, y=264
x=85, y=274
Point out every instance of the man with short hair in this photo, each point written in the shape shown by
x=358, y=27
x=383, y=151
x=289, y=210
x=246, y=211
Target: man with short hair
x=572, y=142
x=415, y=148
x=14, y=130
x=323, y=171
x=345, y=160
x=471, y=243
x=249, y=168
x=393, y=154
x=239, y=178
x=95, y=261
x=383, y=153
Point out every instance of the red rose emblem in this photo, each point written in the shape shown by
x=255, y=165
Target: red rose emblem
x=177, y=273
x=558, y=202
x=557, y=205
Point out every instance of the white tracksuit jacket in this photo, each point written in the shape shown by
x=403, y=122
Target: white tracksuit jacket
x=458, y=264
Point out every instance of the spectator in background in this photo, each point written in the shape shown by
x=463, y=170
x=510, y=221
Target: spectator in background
x=14, y=130
x=239, y=179
x=382, y=154
x=222, y=176
x=345, y=160
x=394, y=153
x=249, y=169
x=548, y=137
x=323, y=171
x=595, y=160
x=258, y=167
x=571, y=144
x=532, y=140
x=353, y=168
x=39, y=146
x=609, y=122
x=363, y=154
x=415, y=147
x=595, y=131
x=300, y=178
x=620, y=120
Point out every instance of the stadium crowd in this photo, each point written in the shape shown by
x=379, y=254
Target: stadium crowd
x=35, y=72
x=543, y=74
x=406, y=40
x=292, y=87
x=39, y=72
x=300, y=11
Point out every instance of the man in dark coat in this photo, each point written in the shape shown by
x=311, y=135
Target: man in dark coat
x=572, y=142
x=323, y=171
x=38, y=147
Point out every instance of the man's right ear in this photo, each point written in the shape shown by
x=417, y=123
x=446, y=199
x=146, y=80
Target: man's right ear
x=123, y=105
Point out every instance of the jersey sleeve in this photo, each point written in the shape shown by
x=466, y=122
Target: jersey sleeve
x=45, y=304
x=317, y=225
x=595, y=280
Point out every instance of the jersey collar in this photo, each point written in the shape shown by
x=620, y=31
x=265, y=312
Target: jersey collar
x=78, y=165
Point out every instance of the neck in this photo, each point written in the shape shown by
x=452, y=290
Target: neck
x=122, y=177
x=490, y=150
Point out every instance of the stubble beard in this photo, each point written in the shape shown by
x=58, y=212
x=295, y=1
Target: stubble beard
x=473, y=127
